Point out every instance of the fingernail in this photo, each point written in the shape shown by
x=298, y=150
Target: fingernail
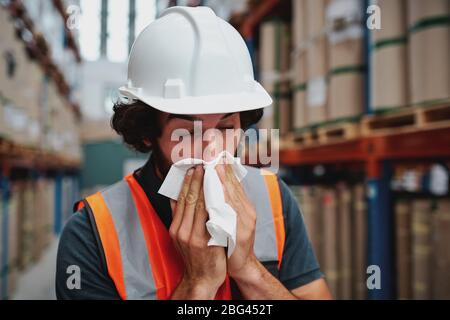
x=190, y=172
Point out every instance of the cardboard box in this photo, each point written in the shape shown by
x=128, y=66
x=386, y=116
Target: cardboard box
x=267, y=52
x=27, y=223
x=421, y=249
x=299, y=25
x=330, y=235
x=7, y=38
x=419, y=9
x=429, y=50
x=348, y=52
x=403, y=248
x=44, y=214
x=267, y=69
x=441, y=239
x=316, y=100
x=274, y=64
x=344, y=241
x=393, y=21
x=284, y=108
x=317, y=57
x=316, y=61
x=317, y=85
x=346, y=94
x=14, y=232
x=389, y=77
x=315, y=11
x=3, y=126
x=429, y=64
x=359, y=242
x=299, y=111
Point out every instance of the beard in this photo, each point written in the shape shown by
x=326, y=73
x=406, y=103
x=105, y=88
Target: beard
x=161, y=163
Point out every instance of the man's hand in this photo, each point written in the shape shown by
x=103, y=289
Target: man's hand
x=242, y=262
x=252, y=278
x=205, y=266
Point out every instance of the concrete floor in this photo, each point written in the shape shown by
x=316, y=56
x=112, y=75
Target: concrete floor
x=38, y=282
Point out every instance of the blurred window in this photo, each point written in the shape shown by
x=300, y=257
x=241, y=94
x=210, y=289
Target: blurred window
x=117, y=26
x=122, y=21
x=90, y=29
x=145, y=13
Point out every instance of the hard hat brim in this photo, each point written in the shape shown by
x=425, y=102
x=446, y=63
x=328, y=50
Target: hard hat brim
x=210, y=104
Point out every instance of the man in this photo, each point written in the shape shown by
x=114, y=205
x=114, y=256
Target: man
x=129, y=241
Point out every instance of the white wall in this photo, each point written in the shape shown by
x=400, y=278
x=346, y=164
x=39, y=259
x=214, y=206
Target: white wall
x=96, y=78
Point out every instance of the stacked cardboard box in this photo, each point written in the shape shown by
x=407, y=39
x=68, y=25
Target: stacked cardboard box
x=26, y=193
x=359, y=241
x=423, y=258
x=312, y=215
x=429, y=50
x=33, y=93
x=330, y=232
x=336, y=220
x=30, y=212
x=20, y=87
x=64, y=132
x=15, y=117
x=344, y=241
x=44, y=211
x=282, y=95
x=33, y=112
x=268, y=73
x=389, y=78
x=403, y=249
x=441, y=256
x=12, y=220
x=346, y=62
x=298, y=63
x=421, y=249
x=6, y=36
x=316, y=60
x=274, y=68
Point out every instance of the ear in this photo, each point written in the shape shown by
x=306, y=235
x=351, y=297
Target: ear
x=147, y=142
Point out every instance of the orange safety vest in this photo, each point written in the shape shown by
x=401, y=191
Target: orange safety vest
x=140, y=256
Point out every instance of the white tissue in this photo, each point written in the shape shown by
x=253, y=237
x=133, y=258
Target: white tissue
x=222, y=217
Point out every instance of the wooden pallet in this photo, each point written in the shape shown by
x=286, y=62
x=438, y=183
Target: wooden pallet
x=333, y=133
x=338, y=132
x=407, y=120
x=27, y=156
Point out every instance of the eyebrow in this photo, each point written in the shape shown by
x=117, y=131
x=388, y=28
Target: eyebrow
x=193, y=117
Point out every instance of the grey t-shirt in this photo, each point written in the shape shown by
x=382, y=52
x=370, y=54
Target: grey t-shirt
x=80, y=245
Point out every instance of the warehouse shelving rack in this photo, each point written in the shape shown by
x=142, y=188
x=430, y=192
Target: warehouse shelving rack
x=377, y=154
x=376, y=151
x=32, y=162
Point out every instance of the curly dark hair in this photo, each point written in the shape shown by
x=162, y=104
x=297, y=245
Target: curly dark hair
x=137, y=121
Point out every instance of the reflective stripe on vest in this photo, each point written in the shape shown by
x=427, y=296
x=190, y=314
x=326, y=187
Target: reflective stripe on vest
x=140, y=256
x=263, y=191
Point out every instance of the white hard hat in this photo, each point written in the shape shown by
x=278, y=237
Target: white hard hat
x=189, y=61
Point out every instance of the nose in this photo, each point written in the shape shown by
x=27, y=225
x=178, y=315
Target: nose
x=212, y=145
